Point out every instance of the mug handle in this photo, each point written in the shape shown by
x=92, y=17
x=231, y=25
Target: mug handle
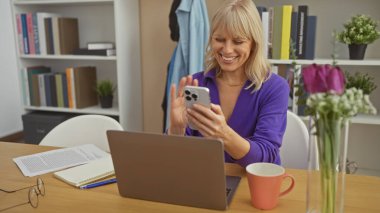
x=290, y=187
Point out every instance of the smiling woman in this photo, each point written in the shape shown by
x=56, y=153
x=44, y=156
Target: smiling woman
x=249, y=104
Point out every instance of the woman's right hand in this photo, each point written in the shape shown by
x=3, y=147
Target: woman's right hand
x=178, y=120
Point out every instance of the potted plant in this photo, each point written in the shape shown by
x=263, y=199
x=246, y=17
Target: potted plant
x=105, y=90
x=357, y=33
x=361, y=81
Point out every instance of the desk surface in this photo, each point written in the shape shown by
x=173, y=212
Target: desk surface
x=362, y=192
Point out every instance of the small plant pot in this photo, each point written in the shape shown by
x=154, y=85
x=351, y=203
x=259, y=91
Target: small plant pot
x=357, y=51
x=106, y=101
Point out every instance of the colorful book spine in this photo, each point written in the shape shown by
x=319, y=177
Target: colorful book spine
x=53, y=89
x=19, y=34
x=286, y=27
x=64, y=90
x=41, y=86
x=29, y=24
x=49, y=36
x=265, y=22
x=293, y=31
x=58, y=85
x=301, y=31
x=25, y=34
x=48, y=90
x=70, y=87
x=25, y=86
x=277, y=32
x=311, y=37
x=56, y=38
x=36, y=34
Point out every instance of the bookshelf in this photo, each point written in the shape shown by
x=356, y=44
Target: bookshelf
x=114, y=21
x=363, y=143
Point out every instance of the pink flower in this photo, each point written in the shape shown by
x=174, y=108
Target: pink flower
x=323, y=78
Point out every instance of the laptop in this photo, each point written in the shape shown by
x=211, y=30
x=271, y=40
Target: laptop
x=179, y=170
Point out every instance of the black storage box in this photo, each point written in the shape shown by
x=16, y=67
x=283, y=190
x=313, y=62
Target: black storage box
x=38, y=124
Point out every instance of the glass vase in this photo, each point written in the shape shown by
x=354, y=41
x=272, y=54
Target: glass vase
x=326, y=180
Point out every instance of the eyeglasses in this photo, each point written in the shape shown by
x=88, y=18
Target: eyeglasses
x=34, y=192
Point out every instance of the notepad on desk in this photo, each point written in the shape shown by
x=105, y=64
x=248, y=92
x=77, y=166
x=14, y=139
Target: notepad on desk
x=87, y=173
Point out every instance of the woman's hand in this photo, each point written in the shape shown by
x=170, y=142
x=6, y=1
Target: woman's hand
x=178, y=118
x=211, y=123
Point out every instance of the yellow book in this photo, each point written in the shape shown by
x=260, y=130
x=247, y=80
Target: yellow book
x=87, y=173
x=286, y=28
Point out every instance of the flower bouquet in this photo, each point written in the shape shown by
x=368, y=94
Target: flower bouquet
x=330, y=107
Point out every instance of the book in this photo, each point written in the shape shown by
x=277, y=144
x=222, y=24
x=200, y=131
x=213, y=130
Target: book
x=48, y=90
x=261, y=9
x=29, y=25
x=286, y=28
x=277, y=32
x=64, y=90
x=49, y=35
x=58, y=86
x=104, y=52
x=87, y=173
x=301, y=31
x=265, y=23
x=33, y=84
x=311, y=36
x=68, y=35
x=100, y=45
x=42, y=30
x=70, y=87
x=36, y=34
x=25, y=86
x=41, y=84
x=24, y=33
x=84, y=84
x=293, y=31
x=19, y=34
x=56, y=36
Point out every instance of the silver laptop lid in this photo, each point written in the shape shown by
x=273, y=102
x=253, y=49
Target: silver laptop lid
x=172, y=169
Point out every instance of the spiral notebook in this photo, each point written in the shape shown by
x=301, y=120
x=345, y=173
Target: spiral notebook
x=87, y=173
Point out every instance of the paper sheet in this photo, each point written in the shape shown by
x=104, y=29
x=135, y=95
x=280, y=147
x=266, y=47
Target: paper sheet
x=50, y=161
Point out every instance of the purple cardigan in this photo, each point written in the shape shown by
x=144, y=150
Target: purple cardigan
x=259, y=117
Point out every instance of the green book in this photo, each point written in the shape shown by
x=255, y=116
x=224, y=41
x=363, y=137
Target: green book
x=58, y=84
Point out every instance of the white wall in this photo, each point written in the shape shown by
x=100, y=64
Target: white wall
x=10, y=100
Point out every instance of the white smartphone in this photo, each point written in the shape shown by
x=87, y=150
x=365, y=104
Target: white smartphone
x=198, y=95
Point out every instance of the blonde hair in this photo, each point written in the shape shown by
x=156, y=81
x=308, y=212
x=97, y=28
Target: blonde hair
x=240, y=18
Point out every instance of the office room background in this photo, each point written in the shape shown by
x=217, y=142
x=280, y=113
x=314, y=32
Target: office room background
x=157, y=47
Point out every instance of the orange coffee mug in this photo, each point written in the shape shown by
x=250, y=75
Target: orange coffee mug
x=265, y=181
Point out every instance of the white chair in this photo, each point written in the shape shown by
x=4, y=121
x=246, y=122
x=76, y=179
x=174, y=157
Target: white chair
x=295, y=145
x=83, y=129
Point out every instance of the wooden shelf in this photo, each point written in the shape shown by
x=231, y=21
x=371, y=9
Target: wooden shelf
x=369, y=62
x=89, y=110
x=70, y=57
x=359, y=119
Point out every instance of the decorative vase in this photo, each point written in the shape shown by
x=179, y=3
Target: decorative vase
x=106, y=101
x=357, y=51
x=325, y=191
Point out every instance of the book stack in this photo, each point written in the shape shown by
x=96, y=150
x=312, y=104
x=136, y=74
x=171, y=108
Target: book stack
x=72, y=89
x=97, y=48
x=46, y=33
x=282, y=26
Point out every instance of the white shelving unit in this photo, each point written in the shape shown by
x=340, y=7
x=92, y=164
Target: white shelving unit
x=99, y=20
x=363, y=136
x=359, y=119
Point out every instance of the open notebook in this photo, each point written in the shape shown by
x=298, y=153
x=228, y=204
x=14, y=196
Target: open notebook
x=87, y=173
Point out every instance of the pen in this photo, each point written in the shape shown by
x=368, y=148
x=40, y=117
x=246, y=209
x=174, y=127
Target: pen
x=101, y=183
